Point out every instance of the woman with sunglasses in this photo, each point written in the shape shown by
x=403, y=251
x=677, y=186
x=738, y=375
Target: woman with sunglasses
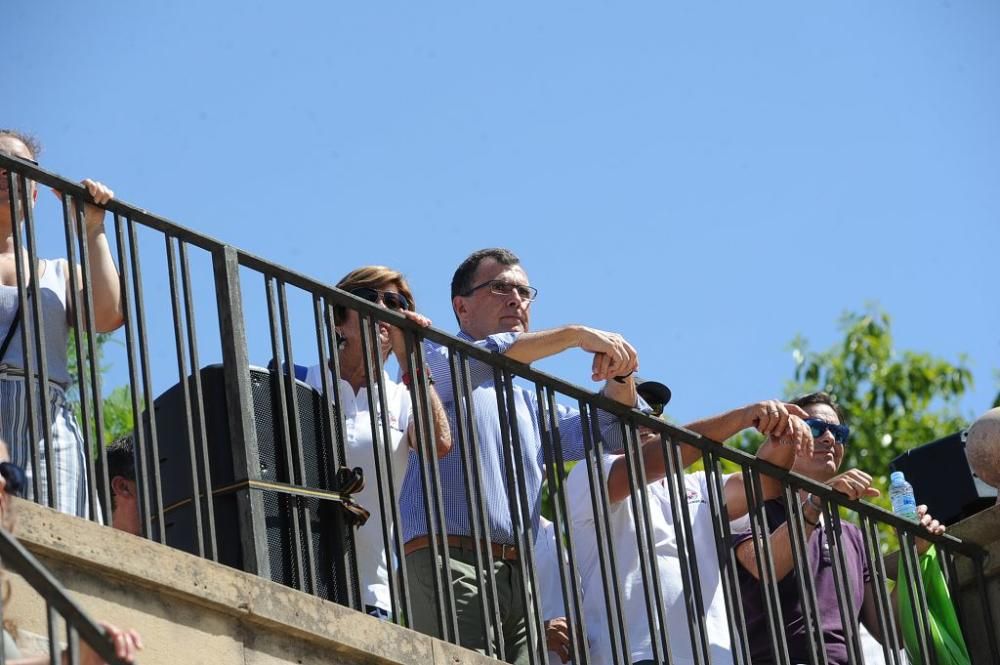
x=386, y=287
x=830, y=435
x=69, y=457
x=127, y=643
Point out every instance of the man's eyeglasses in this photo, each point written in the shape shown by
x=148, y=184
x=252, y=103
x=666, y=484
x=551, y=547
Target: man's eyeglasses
x=15, y=478
x=390, y=299
x=502, y=287
x=840, y=432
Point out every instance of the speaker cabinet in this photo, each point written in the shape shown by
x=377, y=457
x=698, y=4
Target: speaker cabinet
x=942, y=478
x=300, y=541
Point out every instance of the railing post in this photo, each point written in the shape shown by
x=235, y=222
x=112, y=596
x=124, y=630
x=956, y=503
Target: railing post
x=239, y=408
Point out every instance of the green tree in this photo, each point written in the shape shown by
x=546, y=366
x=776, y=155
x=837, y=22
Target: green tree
x=117, y=406
x=894, y=400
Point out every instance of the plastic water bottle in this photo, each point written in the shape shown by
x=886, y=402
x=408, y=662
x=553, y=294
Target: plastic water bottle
x=904, y=504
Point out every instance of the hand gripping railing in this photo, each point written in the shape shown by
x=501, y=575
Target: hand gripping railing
x=508, y=421
x=15, y=558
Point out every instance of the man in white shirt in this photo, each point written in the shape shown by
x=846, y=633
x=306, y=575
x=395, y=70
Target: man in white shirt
x=388, y=288
x=781, y=423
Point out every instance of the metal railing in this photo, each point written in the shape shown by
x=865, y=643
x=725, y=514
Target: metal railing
x=58, y=605
x=289, y=513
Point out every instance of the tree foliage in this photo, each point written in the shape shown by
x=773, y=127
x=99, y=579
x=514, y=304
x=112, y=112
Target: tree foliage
x=893, y=400
x=117, y=405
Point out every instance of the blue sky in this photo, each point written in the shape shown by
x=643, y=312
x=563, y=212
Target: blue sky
x=708, y=179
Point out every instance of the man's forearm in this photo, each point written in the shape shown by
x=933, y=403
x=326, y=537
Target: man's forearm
x=532, y=346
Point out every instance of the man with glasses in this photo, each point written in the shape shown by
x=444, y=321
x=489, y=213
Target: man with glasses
x=491, y=298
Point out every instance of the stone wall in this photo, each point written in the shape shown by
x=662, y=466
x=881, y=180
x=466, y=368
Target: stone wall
x=190, y=610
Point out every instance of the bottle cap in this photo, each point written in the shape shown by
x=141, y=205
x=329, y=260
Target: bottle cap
x=896, y=477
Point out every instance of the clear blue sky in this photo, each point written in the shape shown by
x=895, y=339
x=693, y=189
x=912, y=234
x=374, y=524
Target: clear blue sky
x=708, y=179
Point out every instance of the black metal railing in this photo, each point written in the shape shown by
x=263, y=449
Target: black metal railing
x=270, y=467
x=58, y=606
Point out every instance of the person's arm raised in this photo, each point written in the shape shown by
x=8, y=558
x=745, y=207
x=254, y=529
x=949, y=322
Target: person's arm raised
x=613, y=356
x=105, y=283
x=442, y=430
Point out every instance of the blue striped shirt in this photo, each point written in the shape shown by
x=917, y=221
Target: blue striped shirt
x=491, y=456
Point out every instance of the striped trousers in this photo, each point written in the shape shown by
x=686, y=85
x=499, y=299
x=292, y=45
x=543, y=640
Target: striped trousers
x=69, y=458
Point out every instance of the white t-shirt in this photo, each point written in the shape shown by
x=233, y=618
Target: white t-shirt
x=548, y=576
x=360, y=452
x=623, y=534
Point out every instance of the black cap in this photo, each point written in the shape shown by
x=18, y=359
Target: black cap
x=655, y=393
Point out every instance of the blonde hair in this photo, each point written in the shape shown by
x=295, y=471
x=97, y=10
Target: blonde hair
x=373, y=277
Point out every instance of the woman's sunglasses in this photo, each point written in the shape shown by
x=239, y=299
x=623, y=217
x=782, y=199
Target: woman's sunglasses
x=15, y=478
x=391, y=299
x=840, y=432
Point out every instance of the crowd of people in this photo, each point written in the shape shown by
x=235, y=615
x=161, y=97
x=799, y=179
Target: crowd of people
x=492, y=300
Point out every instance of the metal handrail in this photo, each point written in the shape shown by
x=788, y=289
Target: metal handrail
x=17, y=559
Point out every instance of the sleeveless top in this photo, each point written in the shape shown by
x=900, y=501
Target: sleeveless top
x=52, y=289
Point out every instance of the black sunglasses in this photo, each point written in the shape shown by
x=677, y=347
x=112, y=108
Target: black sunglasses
x=840, y=432
x=390, y=299
x=15, y=478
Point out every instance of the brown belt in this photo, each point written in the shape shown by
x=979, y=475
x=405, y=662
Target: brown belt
x=500, y=551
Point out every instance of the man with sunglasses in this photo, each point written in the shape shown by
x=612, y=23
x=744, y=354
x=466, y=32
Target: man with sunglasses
x=830, y=435
x=783, y=425
x=492, y=298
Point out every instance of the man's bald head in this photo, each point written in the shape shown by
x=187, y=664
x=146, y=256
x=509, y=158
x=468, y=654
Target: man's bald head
x=982, y=447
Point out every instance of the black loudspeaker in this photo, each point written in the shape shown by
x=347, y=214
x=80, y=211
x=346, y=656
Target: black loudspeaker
x=942, y=478
x=255, y=525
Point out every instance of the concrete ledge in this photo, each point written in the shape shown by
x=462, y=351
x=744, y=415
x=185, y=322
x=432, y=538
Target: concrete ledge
x=211, y=613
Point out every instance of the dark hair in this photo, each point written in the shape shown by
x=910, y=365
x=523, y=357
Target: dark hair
x=30, y=142
x=461, y=282
x=121, y=462
x=821, y=398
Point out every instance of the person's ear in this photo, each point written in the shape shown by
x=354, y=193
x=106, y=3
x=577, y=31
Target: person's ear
x=120, y=486
x=458, y=304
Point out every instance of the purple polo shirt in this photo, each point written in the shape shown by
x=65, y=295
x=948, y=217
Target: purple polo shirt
x=821, y=566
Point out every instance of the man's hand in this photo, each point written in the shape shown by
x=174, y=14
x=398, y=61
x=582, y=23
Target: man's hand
x=781, y=422
x=932, y=525
x=557, y=638
x=93, y=215
x=127, y=644
x=855, y=484
x=613, y=356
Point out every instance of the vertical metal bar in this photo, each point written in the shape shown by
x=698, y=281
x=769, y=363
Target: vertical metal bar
x=199, y=400
x=726, y=555
x=565, y=551
x=153, y=458
x=694, y=603
x=182, y=374
x=33, y=345
x=652, y=587
x=434, y=514
x=345, y=565
x=618, y=630
x=883, y=603
x=287, y=443
x=295, y=429
x=51, y=621
x=76, y=308
x=141, y=467
x=522, y=522
x=984, y=596
x=239, y=406
x=477, y=513
x=92, y=353
x=378, y=413
x=472, y=464
x=760, y=534
x=804, y=576
x=72, y=654
x=910, y=575
x=842, y=584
